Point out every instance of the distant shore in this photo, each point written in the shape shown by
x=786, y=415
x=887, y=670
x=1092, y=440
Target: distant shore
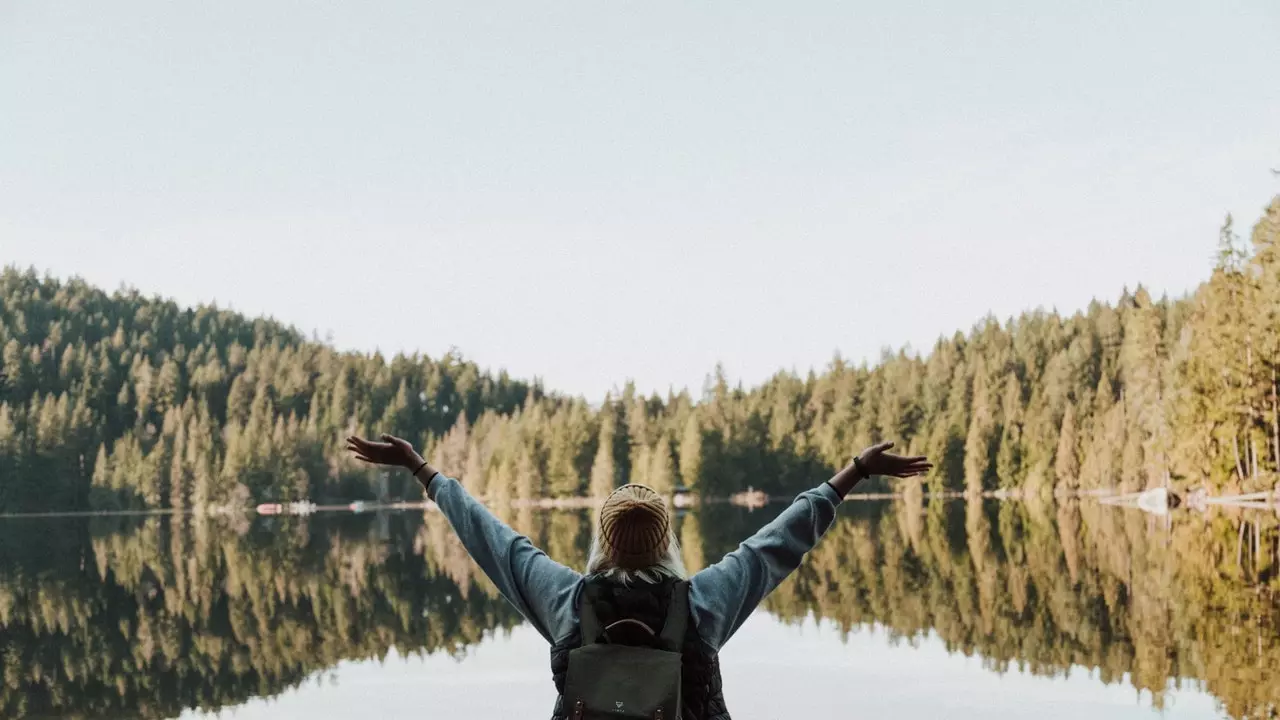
x=750, y=500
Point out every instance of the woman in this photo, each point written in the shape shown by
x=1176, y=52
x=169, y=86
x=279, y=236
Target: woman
x=634, y=573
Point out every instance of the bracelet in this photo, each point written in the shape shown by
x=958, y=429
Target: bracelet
x=859, y=468
x=424, y=464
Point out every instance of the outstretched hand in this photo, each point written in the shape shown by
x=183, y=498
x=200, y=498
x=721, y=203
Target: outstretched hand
x=391, y=451
x=875, y=460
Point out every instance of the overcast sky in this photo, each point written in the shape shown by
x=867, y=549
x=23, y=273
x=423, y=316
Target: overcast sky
x=594, y=191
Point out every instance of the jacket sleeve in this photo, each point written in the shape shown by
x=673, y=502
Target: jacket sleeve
x=540, y=588
x=722, y=596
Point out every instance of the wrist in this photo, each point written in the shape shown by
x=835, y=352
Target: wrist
x=414, y=463
x=860, y=469
x=423, y=472
x=845, y=480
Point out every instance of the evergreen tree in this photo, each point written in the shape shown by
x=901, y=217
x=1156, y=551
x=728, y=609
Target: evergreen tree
x=604, y=477
x=661, y=476
x=1066, y=458
x=691, y=453
x=979, y=473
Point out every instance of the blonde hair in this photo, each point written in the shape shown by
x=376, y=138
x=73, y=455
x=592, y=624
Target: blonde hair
x=670, y=565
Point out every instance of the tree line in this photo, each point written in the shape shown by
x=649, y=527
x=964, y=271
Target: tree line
x=123, y=401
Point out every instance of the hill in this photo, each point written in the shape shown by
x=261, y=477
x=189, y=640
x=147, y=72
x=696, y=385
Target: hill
x=124, y=401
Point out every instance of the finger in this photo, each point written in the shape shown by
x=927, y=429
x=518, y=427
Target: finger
x=365, y=459
x=912, y=460
x=879, y=449
x=918, y=468
x=904, y=467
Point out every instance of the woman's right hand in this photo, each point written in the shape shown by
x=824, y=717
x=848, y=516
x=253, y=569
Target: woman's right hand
x=391, y=451
x=875, y=460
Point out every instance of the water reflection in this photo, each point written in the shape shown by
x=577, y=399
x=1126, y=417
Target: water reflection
x=776, y=670
x=1099, y=607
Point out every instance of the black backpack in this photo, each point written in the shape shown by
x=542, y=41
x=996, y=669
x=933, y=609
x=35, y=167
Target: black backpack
x=628, y=670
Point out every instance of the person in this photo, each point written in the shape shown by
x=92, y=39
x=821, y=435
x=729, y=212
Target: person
x=635, y=562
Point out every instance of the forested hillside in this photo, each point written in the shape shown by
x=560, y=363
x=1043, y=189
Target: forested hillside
x=126, y=401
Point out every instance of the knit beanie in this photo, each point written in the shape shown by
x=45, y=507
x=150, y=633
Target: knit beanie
x=634, y=527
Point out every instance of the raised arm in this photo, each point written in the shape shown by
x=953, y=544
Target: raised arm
x=725, y=594
x=542, y=589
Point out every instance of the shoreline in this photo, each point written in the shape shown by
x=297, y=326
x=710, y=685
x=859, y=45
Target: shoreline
x=750, y=500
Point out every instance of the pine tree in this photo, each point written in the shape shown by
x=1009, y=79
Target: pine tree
x=1009, y=470
x=661, y=475
x=473, y=477
x=1140, y=367
x=1066, y=460
x=604, y=476
x=979, y=473
x=691, y=453
x=1264, y=330
x=528, y=476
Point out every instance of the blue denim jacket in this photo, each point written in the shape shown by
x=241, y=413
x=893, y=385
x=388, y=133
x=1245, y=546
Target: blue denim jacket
x=721, y=597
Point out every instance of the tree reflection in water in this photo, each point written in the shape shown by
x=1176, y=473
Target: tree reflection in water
x=111, y=617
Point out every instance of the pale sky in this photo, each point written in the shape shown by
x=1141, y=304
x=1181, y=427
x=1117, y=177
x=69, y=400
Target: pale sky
x=594, y=191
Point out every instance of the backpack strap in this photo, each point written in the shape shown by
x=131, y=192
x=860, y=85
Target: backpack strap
x=673, y=630
x=587, y=620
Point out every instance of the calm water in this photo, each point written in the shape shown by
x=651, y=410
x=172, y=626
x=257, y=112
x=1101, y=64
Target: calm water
x=970, y=610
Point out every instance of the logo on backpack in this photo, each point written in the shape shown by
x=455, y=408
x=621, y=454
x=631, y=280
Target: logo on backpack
x=618, y=705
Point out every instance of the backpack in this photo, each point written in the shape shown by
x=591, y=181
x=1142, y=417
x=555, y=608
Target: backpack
x=628, y=670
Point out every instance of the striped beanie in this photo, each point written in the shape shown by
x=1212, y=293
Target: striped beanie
x=634, y=527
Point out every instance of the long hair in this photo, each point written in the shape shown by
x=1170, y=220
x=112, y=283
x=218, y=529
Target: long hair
x=670, y=565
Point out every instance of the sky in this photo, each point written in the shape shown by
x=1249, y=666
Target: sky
x=591, y=192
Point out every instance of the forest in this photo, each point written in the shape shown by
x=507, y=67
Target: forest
x=108, y=617
x=122, y=401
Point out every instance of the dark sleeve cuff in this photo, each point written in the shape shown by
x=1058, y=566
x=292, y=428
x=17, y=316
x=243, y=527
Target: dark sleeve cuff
x=836, y=493
x=426, y=484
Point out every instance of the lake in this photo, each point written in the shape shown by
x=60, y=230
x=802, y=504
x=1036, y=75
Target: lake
x=969, y=609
